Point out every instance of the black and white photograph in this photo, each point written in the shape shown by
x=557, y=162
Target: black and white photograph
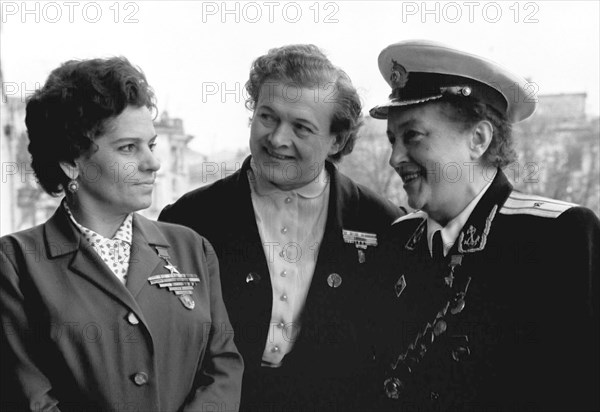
x=299, y=206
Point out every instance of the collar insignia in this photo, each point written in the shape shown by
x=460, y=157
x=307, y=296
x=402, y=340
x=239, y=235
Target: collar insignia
x=471, y=241
x=416, y=237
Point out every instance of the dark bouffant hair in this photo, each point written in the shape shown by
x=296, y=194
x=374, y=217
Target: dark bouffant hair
x=306, y=66
x=73, y=108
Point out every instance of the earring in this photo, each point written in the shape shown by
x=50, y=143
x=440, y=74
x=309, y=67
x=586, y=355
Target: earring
x=73, y=186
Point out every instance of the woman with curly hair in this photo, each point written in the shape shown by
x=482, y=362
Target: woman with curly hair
x=296, y=238
x=102, y=309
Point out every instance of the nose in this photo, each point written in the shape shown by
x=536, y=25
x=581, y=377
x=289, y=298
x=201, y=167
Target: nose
x=149, y=162
x=281, y=136
x=399, y=154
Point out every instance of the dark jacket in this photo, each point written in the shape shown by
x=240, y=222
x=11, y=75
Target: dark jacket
x=74, y=338
x=527, y=338
x=323, y=370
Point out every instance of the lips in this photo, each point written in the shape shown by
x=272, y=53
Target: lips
x=407, y=178
x=146, y=182
x=278, y=156
x=409, y=173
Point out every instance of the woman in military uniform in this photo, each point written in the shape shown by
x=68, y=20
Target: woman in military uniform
x=102, y=309
x=490, y=297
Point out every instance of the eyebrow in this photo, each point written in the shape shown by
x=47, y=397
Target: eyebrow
x=266, y=105
x=121, y=139
x=313, y=125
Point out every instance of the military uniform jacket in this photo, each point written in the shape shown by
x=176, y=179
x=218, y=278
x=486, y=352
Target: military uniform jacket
x=75, y=338
x=527, y=337
x=327, y=357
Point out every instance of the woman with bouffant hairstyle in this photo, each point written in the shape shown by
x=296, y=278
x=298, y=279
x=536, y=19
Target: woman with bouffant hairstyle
x=296, y=238
x=305, y=66
x=112, y=311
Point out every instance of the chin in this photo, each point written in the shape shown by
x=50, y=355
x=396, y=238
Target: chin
x=415, y=202
x=141, y=205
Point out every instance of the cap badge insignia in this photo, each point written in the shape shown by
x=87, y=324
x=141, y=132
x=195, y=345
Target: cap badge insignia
x=399, y=75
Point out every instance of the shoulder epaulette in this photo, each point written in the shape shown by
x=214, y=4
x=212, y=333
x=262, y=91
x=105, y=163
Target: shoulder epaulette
x=414, y=215
x=526, y=204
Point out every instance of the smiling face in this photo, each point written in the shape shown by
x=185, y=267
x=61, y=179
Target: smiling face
x=290, y=134
x=433, y=157
x=118, y=176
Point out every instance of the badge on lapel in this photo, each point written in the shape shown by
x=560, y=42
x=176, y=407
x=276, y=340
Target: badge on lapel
x=181, y=284
x=400, y=286
x=361, y=240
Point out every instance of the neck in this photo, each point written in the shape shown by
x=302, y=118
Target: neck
x=95, y=218
x=474, y=185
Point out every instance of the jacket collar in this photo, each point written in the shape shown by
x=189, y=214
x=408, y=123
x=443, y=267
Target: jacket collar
x=473, y=235
x=62, y=237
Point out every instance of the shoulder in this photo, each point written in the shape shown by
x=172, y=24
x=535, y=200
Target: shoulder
x=217, y=192
x=568, y=220
x=26, y=239
x=172, y=232
x=24, y=246
x=180, y=237
x=366, y=197
x=526, y=204
x=220, y=187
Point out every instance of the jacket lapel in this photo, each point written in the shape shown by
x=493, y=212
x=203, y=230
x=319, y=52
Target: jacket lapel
x=332, y=256
x=144, y=261
x=473, y=236
x=262, y=302
x=63, y=238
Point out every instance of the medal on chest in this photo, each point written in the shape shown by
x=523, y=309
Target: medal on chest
x=361, y=240
x=181, y=284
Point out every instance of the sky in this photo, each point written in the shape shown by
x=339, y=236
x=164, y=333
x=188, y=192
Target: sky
x=197, y=55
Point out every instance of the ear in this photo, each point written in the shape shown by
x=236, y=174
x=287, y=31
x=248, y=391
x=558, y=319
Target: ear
x=480, y=139
x=337, y=145
x=70, y=169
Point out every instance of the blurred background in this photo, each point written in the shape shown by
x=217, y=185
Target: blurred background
x=197, y=55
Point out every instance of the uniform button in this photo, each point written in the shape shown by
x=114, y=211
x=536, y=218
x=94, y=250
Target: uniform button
x=283, y=273
x=281, y=253
x=284, y=230
x=275, y=349
x=132, y=319
x=280, y=325
x=140, y=378
x=284, y=297
x=288, y=200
